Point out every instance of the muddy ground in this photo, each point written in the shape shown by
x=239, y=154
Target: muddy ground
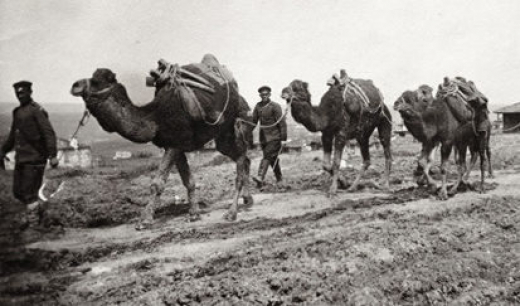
x=295, y=246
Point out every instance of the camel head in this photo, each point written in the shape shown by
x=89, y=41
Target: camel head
x=108, y=101
x=101, y=80
x=102, y=87
x=416, y=101
x=297, y=91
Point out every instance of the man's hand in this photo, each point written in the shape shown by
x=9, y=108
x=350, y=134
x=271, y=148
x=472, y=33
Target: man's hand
x=54, y=162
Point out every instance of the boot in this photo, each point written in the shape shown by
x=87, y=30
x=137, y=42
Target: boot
x=262, y=170
x=277, y=171
x=32, y=231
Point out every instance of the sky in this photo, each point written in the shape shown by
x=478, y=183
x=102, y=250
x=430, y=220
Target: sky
x=398, y=44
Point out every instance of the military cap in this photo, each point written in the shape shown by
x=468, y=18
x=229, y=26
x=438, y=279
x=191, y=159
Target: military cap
x=18, y=86
x=264, y=88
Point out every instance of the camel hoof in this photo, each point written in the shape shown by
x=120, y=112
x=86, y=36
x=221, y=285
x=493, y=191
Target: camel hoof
x=482, y=190
x=332, y=195
x=248, y=202
x=386, y=188
x=230, y=216
x=141, y=226
x=342, y=181
x=443, y=195
x=352, y=188
x=421, y=181
x=432, y=188
x=327, y=168
x=452, y=191
x=194, y=217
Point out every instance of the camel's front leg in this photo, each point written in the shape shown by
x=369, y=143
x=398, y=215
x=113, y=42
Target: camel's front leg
x=385, y=137
x=445, y=155
x=157, y=188
x=244, y=177
x=472, y=163
x=187, y=180
x=339, y=145
x=365, y=153
x=326, y=141
x=488, y=155
x=483, y=146
x=241, y=181
x=425, y=161
x=461, y=167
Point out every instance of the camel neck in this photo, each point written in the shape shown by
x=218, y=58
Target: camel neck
x=312, y=117
x=123, y=117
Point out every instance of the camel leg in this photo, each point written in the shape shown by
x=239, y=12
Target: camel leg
x=364, y=147
x=157, y=188
x=425, y=161
x=461, y=167
x=472, y=163
x=488, y=154
x=243, y=139
x=237, y=151
x=339, y=145
x=241, y=187
x=187, y=180
x=445, y=155
x=246, y=195
x=385, y=137
x=482, y=137
x=326, y=140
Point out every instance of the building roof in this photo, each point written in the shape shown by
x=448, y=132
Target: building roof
x=514, y=108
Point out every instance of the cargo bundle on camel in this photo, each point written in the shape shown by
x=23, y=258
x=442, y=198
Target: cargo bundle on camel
x=191, y=107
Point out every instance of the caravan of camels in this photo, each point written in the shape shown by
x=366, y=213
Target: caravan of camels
x=200, y=102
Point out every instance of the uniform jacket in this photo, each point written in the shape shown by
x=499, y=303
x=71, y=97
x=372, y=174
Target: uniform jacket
x=31, y=135
x=268, y=114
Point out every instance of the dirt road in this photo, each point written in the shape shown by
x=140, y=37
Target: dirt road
x=292, y=248
x=295, y=246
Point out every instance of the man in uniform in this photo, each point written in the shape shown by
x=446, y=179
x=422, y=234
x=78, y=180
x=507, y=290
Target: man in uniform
x=34, y=142
x=273, y=130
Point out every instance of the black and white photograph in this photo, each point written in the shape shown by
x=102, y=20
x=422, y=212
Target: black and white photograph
x=262, y=152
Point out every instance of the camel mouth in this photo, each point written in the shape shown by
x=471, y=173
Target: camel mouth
x=403, y=109
x=286, y=96
x=76, y=92
x=78, y=88
x=398, y=107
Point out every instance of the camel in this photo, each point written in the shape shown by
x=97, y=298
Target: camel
x=443, y=120
x=342, y=115
x=474, y=135
x=167, y=123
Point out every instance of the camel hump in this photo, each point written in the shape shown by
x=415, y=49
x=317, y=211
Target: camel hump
x=365, y=90
x=457, y=105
